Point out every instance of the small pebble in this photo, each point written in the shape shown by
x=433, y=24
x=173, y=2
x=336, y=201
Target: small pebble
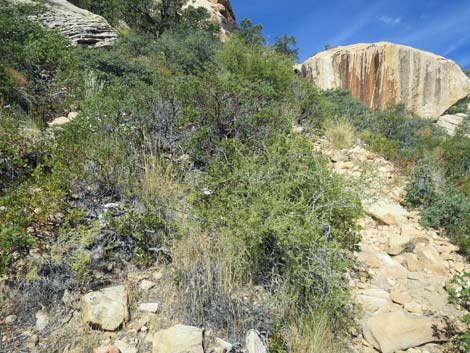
x=35, y=340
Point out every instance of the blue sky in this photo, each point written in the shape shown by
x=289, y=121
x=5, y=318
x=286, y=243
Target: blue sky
x=439, y=26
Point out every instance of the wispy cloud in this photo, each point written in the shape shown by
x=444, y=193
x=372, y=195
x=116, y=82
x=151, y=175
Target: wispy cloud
x=447, y=26
x=366, y=16
x=454, y=46
x=390, y=21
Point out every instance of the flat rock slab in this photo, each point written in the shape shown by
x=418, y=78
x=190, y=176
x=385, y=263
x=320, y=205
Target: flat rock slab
x=392, y=332
x=178, y=339
x=106, y=309
x=387, y=212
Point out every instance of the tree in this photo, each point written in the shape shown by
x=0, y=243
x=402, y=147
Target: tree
x=251, y=34
x=286, y=45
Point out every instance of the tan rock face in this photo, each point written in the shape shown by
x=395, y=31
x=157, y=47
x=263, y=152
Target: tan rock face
x=81, y=26
x=384, y=73
x=221, y=11
x=106, y=309
x=398, y=330
x=178, y=339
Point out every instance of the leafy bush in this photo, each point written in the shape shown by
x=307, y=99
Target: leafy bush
x=421, y=186
x=30, y=50
x=454, y=158
x=297, y=219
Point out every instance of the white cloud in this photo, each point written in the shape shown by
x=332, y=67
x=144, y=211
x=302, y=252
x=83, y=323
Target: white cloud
x=391, y=21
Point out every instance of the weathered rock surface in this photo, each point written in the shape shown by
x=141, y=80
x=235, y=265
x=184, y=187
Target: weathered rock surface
x=254, y=343
x=386, y=211
x=106, y=309
x=398, y=330
x=178, y=339
x=107, y=349
x=221, y=12
x=451, y=122
x=385, y=73
x=403, y=295
x=81, y=26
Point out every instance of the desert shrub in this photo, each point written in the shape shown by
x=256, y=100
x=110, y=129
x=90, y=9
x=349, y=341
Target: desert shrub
x=459, y=293
x=422, y=185
x=340, y=133
x=451, y=211
x=297, y=218
x=30, y=50
x=454, y=158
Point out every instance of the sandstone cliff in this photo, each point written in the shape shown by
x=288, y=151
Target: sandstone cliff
x=383, y=73
x=221, y=12
x=81, y=26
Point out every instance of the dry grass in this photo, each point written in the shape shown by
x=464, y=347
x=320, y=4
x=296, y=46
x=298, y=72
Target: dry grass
x=341, y=133
x=311, y=334
x=160, y=186
x=19, y=79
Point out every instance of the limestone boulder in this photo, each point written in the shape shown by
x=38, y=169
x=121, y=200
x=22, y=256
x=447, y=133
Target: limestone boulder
x=82, y=27
x=398, y=244
x=450, y=122
x=395, y=331
x=431, y=261
x=386, y=211
x=385, y=73
x=220, y=11
x=106, y=309
x=178, y=339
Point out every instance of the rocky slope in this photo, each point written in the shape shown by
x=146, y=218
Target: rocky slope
x=382, y=73
x=403, y=269
x=81, y=26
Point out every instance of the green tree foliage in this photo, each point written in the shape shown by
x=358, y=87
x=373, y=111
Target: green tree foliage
x=286, y=45
x=251, y=34
x=31, y=58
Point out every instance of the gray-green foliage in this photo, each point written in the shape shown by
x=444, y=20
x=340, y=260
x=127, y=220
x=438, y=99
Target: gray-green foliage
x=291, y=218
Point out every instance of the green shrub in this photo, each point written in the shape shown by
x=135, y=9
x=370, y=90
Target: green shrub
x=421, y=186
x=291, y=218
x=455, y=161
x=34, y=52
x=450, y=210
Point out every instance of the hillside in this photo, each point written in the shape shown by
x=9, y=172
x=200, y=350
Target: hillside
x=168, y=183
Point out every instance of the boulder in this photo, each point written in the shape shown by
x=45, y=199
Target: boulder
x=178, y=339
x=398, y=244
x=42, y=320
x=220, y=11
x=400, y=296
x=450, y=122
x=125, y=347
x=398, y=330
x=386, y=211
x=81, y=26
x=106, y=349
x=106, y=309
x=429, y=257
x=254, y=343
x=149, y=307
x=385, y=73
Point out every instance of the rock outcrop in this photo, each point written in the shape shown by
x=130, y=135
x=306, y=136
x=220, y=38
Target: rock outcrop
x=179, y=339
x=106, y=309
x=450, y=122
x=221, y=12
x=385, y=73
x=81, y=26
x=403, y=270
